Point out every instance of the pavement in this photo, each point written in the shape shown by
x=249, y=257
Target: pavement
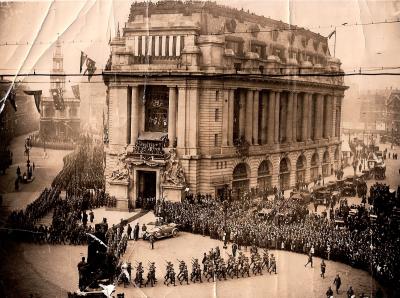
x=45, y=171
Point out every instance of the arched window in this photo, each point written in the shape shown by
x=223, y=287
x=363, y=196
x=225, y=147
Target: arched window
x=264, y=178
x=284, y=166
x=336, y=156
x=325, y=159
x=300, y=169
x=284, y=174
x=314, y=167
x=240, y=181
x=300, y=164
x=240, y=172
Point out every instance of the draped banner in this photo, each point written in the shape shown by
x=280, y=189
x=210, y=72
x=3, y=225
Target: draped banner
x=37, y=94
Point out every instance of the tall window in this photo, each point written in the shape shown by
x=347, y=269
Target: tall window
x=156, y=108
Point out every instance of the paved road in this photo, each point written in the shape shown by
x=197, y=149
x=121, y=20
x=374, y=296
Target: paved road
x=45, y=171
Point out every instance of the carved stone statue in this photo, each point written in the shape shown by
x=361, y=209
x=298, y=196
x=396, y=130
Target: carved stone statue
x=121, y=172
x=173, y=173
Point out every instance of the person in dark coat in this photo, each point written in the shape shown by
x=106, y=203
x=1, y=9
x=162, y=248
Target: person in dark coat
x=136, y=232
x=323, y=268
x=329, y=293
x=337, y=282
x=129, y=231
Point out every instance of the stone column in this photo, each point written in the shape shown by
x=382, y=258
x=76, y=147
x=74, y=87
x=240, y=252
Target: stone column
x=181, y=124
x=304, y=117
x=310, y=124
x=242, y=113
x=193, y=119
x=294, y=122
x=172, y=116
x=134, y=114
x=249, y=116
x=319, y=117
x=289, y=118
x=276, y=118
x=225, y=118
x=327, y=119
x=264, y=120
x=231, y=103
x=118, y=115
x=256, y=103
x=271, y=118
x=333, y=113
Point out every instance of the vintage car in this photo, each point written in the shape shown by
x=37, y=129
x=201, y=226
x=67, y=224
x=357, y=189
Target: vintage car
x=159, y=230
x=348, y=189
x=301, y=197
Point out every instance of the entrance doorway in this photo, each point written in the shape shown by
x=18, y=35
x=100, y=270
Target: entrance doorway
x=147, y=184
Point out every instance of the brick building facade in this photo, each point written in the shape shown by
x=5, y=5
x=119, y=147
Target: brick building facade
x=232, y=94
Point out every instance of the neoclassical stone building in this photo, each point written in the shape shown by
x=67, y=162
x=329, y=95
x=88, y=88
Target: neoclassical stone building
x=243, y=101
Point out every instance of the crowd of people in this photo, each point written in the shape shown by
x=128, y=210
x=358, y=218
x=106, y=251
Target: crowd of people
x=150, y=148
x=83, y=168
x=362, y=243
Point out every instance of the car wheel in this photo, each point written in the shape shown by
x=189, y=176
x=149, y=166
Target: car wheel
x=175, y=233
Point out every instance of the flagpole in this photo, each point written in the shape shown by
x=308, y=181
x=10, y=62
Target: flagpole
x=334, y=45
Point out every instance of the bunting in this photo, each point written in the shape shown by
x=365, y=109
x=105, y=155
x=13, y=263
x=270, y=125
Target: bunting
x=58, y=98
x=90, y=68
x=11, y=97
x=75, y=90
x=37, y=94
x=90, y=65
x=83, y=59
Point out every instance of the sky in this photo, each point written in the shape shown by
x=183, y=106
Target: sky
x=87, y=26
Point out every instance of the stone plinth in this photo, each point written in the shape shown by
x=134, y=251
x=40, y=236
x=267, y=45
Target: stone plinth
x=119, y=189
x=173, y=193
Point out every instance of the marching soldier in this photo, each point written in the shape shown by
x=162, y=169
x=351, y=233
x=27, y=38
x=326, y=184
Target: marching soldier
x=196, y=271
x=245, y=267
x=265, y=262
x=168, y=269
x=151, y=275
x=170, y=276
x=272, y=267
x=183, y=273
x=139, y=275
x=210, y=271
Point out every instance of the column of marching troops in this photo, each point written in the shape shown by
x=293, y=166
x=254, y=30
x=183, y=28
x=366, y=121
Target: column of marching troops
x=214, y=267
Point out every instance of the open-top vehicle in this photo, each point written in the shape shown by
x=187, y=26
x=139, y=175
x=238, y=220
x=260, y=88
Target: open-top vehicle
x=159, y=230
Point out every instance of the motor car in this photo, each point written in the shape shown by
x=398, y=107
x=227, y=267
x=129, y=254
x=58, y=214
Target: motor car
x=348, y=189
x=160, y=230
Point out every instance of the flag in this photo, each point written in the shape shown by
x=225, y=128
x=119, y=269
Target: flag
x=11, y=97
x=331, y=34
x=75, y=90
x=90, y=68
x=83, y=59
x=58, y=98
x=37, y=94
